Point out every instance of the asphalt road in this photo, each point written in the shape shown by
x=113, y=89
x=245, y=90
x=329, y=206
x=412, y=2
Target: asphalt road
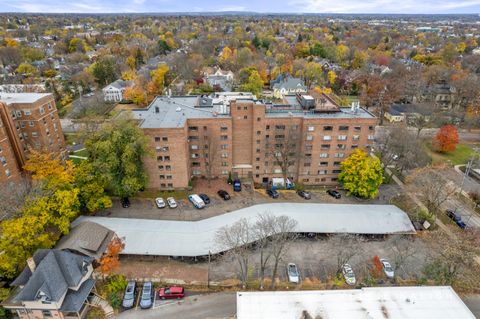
x=211, y=306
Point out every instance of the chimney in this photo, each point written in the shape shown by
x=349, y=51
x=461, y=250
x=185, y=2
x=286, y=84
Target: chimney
x=31, y=264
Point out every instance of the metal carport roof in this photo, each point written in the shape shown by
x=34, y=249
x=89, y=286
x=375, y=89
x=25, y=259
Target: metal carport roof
x=197, y=238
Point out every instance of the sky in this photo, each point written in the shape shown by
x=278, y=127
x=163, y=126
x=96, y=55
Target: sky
x=277, y=6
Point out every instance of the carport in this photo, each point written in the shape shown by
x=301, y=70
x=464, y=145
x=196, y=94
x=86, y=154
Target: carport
x=197, y=238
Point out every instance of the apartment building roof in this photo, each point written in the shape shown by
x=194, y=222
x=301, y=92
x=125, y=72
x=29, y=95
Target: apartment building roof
x=21, y=98
x=343, y=113
x=186, y=238
x=373, y=302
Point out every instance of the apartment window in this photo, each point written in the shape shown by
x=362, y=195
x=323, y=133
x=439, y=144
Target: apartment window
x=257, y=159
x=224, y=146
x=34, y=134
x=165, y=139
x=193, y=138
x=311, y=128
x=323, y=164
x=223, y=128
x=27, y=112
x=305, y=180
x=162, y=176
x=371, y=137
x=163, y=185
x=371, y=128
x=257, y=175
x=336, y=171
x=355, y=137
x=277, y=170
x=339, y=155
x=158, y=148
x=267, y=127
x=1, y=150
x=195, y=155
x=341, y=146
x=258, y=150
x=323, y=155
x=257, y=167
x=42, y=110
x=31, y=123
x=322, y=172
x=52, y=116
x=44, y=121
x=267, y=136
x=307, y=164
x=307, y=155
x=342, y=138
x=19, y=113
x=327, y=138
x=46, y=313
x=245, y=108
x=309, y=137
x=280, y=136
x=205, y=128
x=238, y=108
x=169, y=176
x=266, y=163
x=259, y=132
x=22, y=124
x=334, y=179
x=224, y=172
x=357, y=128
x=279, y=127
x=343, y=128
x=195, y=164
x=166, y=158
x=354, y=146
x=193, y=128
x=3, y=160
x=328, y=128
x=157, y=139
x=195, y=172
x=160, y=167
x=258, y=141
x=194, y=147
x=55, y=127
x=170, y=185
x=224, y=155
x=325, y=146
x=224, y=137
x=7, y=172
x=336, y=163
x=224, y=164
x=168, y=168
x=49, y=105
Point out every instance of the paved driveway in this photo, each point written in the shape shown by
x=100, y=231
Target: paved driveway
x=217, y=305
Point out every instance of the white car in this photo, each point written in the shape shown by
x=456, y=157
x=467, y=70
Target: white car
x=171, y=202
x=348, y=274
x=387, y=268
x=160, y=202
x=292, y=272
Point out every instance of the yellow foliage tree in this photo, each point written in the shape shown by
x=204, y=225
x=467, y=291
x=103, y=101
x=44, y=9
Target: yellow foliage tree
x=331, y=77
x=226, y=55
x=128, y=75
x=157, y=83
x=49, y=168
x=9, y=42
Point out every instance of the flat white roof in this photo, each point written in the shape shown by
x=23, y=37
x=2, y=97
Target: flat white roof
x=365, y=303
x=197, y=238
x=9, y=98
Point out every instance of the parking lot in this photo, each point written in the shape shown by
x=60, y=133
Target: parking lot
x=147, y=209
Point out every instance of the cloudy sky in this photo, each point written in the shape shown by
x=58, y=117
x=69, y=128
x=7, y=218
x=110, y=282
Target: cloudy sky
x=318, y=6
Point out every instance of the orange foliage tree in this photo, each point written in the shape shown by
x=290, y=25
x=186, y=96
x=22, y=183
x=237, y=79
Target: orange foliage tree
x=110, y=260
x=377, y=267
x=446, y=139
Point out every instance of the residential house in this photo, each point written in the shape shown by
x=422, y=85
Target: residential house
x=407, y=112
x=114, y=92
x=441, y=94
x=55, y=284
x=219, y=80
x=287, y=86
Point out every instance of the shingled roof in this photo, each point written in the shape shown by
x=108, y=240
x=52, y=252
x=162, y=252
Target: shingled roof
x=88, y=239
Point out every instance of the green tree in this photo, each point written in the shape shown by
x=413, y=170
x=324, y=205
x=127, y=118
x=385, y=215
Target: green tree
x=92, y=196
x=361, y=174
x=116, y=153
x=27, y=70
x=104, y=71
x=254, y=83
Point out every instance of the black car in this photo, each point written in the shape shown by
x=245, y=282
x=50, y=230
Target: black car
x=125, y=202
x=223, y=194
x=456, y=218
x=304, y=194
x=272, y=193
x=334, y=193
x=205, y=198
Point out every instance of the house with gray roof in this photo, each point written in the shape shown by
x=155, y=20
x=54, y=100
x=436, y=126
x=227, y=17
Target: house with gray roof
x=114, y=91
x=288, y=86
x=87, y=239
x=55, y=284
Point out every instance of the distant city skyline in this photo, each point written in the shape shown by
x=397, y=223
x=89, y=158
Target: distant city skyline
x=267, y=6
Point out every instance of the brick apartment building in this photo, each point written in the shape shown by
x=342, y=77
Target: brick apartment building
x=27, y=121
x=306, y=137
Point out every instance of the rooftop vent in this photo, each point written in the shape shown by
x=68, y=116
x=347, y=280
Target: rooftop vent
x=178, y=109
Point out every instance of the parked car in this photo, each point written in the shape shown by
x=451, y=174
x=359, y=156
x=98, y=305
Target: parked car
x=334, y=193
x=237, y=186
x=171, y=202
x=129, y=296
x=147, y=295
x=205, y=198
x=387, y=268
x=196, y=201
x=304, y=194
x=272, y=193
x=223, y=194
x=171, y=293
x=348, y=274
x=456, y=218
x=292, y=272
x=160, y=202
x=125, y=202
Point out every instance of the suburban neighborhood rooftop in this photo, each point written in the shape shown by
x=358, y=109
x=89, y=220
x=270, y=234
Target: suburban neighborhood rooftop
x=20, y=98
x=149, y=237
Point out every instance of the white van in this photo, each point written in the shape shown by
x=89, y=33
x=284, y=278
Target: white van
x=196, y=201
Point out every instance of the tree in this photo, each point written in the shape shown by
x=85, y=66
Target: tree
x=402, y=249
x=254, y=83
x=92, y=195
x=27, y=70
x=331, y=77
x=236, y=240
x=110, y=259
x=347, y=246
x=361, y=174
x=136, y=94
x=116, y=152
x=104, y=71
x=446, y=139
x=157, y=83
x=284, y=148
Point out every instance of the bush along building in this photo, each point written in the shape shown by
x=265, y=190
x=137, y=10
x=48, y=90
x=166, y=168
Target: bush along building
x=303, y=138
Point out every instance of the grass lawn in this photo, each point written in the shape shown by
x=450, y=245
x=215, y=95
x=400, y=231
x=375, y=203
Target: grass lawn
x=76, y=161
x=83, y=153
x=460, y=156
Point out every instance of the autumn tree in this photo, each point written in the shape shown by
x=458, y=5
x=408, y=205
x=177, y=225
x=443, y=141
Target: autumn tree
x=91, y=185
x=446, y=139
x=104, y=70
x=361, y=174
x=110, y=260
x=157, y=83
x=376, y=267
x=253, y=84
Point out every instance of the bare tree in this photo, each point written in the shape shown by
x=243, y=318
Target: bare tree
x=13, y=196
x=431, y=187
x=403, y=250
x=236, y=240
x=347, y=246
x=284, y=147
